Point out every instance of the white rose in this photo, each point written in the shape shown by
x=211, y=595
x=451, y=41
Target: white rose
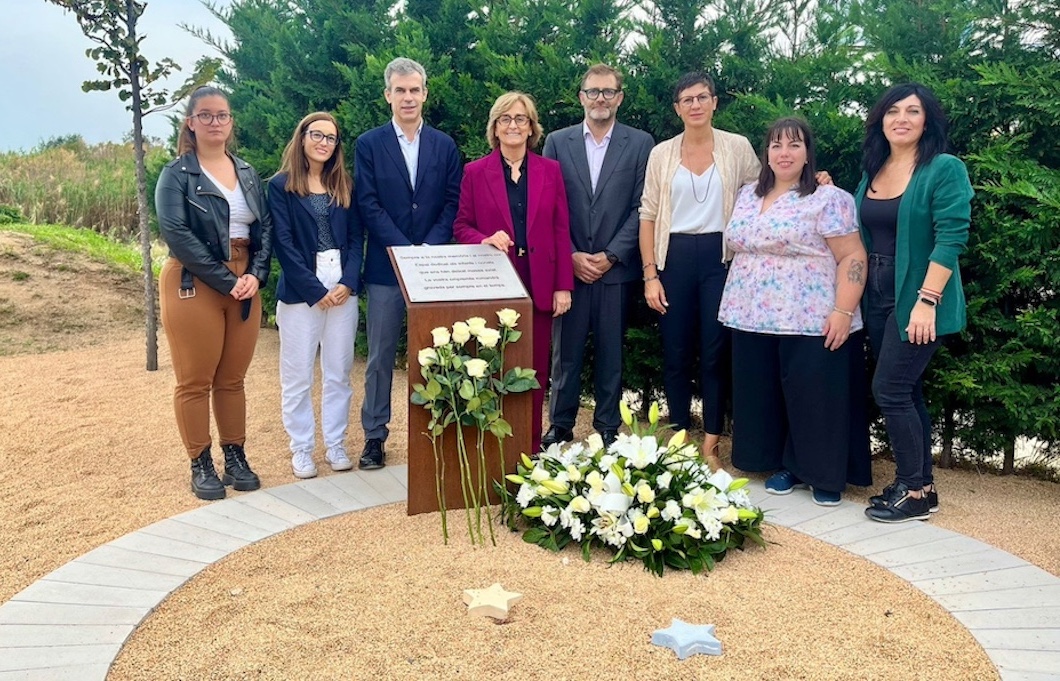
x=508, y=317
x=579, y=504
x=640, y=524
x=645, y=494
x=539, y=474
x=461, y=332
x=573, y=474
x=440, y=336
x=476, y=368
x=489, y=337
x=594, y=442
x=427, y=357
x=475, y=325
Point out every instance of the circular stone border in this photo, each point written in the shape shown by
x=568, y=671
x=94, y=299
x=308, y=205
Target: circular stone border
x=73, y=622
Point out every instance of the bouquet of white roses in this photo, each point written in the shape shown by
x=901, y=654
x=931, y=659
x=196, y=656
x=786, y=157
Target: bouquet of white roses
x=657, y=503
x=465, y=385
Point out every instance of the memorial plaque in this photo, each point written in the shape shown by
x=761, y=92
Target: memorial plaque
x=454, y=273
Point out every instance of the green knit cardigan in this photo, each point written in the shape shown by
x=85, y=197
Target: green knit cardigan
x=933, y=219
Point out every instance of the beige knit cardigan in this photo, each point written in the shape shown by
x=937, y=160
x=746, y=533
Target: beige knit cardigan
x=737, y=165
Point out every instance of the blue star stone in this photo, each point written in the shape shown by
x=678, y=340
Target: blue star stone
x=687, y=639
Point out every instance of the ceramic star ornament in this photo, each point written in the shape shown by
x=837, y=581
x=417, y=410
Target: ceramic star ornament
x=492, y=602
x=687, y=639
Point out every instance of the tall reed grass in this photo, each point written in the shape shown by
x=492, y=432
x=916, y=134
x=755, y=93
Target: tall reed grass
x=71, y=183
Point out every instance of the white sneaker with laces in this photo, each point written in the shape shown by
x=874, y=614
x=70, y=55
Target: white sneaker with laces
x=303, y=466
x=338, y=459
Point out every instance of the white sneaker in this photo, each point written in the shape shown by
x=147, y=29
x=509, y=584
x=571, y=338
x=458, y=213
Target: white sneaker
x=336, y=456
x=303, y=466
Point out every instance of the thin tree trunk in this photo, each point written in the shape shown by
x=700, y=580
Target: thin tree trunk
x=948, y=428
x=150, y=313
x=1009, y=466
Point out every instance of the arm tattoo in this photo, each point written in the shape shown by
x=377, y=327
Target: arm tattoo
x=856, y=271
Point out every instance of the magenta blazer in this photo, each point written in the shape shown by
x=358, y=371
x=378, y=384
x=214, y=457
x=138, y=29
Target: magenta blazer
x=483, y=210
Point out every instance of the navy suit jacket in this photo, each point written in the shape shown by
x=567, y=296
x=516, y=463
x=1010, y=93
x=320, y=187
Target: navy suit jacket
x=295, y=244
x=393, y=213
x=607, y=219
x=484, y=210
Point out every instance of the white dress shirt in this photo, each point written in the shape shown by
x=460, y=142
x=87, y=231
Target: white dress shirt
x=595, y=152
x=410, y=150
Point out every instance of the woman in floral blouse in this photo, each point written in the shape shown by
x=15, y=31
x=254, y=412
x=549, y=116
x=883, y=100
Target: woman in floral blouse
x=792, y=300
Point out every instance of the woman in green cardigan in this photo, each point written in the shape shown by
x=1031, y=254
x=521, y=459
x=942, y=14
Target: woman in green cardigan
x=914, y=207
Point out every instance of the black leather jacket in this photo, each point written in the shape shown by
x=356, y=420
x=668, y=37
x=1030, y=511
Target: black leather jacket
x=193, y=221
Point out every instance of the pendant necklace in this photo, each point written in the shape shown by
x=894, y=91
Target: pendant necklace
x=692, y=180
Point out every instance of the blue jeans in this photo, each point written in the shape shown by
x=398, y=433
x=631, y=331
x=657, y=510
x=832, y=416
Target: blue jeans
x=898, y=382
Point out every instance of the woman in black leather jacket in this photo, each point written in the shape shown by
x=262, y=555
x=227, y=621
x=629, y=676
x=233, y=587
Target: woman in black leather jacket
x=213, y=216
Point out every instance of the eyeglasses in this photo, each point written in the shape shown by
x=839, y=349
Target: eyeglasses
x=319, y=137
x=518, y=119
x=609, y=93
x=224, y=118
x=686, y=102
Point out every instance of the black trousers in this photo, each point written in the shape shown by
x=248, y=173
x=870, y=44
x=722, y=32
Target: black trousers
x=799, y=406
x=693, y=281
x=598, y=308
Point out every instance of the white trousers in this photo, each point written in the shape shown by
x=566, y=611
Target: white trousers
x=303, y=329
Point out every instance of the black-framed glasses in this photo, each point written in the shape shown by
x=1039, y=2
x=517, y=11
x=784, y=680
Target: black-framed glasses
x=609, y=93
x=206, y=118
x=686, y=102
x=319, y=137
x=518, y=119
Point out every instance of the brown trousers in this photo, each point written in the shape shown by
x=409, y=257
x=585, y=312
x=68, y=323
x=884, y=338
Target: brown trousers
x=211, y=346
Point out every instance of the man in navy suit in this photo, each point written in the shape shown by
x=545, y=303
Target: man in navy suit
x=407, y=180
x=603, y=165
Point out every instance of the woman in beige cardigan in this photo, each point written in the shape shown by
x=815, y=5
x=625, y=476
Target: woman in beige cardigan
x=689, y=192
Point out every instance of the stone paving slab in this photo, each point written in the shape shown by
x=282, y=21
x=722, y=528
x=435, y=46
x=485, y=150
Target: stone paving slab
x=71, y=623
x=76, y=672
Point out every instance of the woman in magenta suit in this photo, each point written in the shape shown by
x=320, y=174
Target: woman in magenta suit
x=515, y=201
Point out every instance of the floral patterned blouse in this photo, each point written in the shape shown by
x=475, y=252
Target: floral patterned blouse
x=783, y=275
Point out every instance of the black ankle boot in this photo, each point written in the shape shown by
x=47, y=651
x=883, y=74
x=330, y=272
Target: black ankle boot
x=204, y=481
x=237, y=470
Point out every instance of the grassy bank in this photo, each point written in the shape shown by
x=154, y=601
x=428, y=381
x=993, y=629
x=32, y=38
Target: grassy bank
x=120, y=254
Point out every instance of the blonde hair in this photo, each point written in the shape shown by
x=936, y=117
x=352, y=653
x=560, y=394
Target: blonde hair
x=500, y=107
x=335, y=177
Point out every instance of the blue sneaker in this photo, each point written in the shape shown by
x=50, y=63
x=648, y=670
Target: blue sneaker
x=782, y=482
x=823, y=498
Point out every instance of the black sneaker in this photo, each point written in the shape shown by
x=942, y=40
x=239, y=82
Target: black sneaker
x=609, y=437
x=900, y=507
x=373, y=455
x=237, y=470
x=204, y=481
x=556, y=434
x=880, y=500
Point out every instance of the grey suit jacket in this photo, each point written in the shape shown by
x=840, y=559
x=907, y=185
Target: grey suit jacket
x=607, y=219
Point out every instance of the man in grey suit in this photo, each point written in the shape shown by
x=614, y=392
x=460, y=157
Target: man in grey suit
x=603, y=166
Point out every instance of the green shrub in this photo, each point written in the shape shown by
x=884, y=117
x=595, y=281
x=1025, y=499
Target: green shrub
x=9, y=214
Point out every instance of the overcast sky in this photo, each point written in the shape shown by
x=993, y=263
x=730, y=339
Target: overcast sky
x=43, y=63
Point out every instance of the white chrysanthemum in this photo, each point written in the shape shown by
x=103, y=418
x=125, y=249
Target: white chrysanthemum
x=577, y=529
x=672, y=511
x=525, y=495
x=740, y=498
x=712, y=528
x=549, y=515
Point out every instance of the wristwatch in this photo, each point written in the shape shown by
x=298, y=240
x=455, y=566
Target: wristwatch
x=611, y=257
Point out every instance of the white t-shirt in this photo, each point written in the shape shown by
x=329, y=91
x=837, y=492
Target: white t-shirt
x=240, y=216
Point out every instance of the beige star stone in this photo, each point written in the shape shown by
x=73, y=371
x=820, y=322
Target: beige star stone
x=492, y=602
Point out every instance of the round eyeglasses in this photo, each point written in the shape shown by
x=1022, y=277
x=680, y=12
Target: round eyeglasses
x=222, y=118
x=319, y=137
x=518, y=119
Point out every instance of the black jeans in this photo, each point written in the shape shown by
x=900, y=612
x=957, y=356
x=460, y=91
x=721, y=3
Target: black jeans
x=898, y=382
x=694, y=279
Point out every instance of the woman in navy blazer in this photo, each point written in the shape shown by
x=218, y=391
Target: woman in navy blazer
x=319, y=242
x=515, y=201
